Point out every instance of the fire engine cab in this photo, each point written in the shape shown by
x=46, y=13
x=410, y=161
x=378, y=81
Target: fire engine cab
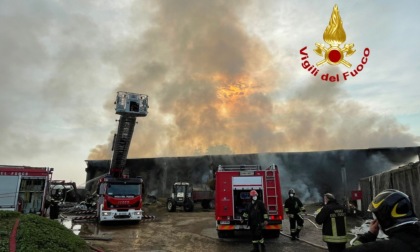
x=233, y=184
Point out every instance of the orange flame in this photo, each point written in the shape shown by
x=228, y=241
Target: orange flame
x=231, y=90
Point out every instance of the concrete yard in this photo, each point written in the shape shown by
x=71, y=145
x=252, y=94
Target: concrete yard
x=192, y=231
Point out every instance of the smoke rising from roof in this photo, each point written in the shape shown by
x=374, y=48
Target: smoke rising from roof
x=213, y=86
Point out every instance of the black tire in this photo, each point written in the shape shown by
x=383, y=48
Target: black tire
x=170, y=206
x=188, y=206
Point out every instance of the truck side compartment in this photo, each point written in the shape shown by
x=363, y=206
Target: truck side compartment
x=25, y=189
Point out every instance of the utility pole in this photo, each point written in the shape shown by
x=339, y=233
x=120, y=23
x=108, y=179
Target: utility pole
x=344, y=179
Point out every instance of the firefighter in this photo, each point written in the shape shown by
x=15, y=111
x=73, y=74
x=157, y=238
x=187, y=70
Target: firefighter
x=257, y=217
x=333, y=219
x=393, y=212
x=293, y=206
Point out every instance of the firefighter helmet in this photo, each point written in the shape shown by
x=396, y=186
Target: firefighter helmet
x=291, y=191
x=329, y=196
x=253, y=193
x=392, y=208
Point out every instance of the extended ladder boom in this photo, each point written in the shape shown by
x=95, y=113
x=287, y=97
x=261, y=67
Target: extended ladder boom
x=129, y=106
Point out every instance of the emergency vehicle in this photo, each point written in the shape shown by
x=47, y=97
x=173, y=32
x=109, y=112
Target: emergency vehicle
x=233, y=184
x=120, y=197
x=24, y=188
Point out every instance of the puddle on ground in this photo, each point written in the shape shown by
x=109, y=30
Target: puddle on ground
x=75, y=227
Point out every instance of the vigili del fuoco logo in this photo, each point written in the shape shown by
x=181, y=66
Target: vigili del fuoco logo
x=334, y=53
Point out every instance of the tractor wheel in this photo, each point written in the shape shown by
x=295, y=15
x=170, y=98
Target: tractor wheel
x=170, y=206
x=188, y=206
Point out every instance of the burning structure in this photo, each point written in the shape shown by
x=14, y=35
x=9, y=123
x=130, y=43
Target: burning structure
x=310, y=173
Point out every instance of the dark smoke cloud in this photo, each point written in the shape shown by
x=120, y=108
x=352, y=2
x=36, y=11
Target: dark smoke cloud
x=212, y=84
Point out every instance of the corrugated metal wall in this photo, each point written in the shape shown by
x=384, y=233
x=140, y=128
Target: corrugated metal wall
x=405, y=178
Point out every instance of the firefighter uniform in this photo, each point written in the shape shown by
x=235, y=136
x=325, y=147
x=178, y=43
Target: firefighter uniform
x=256, y=215
x=395, y=216
x=293, y=206
x=333, y=219
x=404, y=238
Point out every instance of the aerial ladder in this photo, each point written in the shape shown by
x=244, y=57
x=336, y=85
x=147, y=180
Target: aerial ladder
x=120, y=197
x=129, y=106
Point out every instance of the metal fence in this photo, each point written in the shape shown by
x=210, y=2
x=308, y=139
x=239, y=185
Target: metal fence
x=405, y=178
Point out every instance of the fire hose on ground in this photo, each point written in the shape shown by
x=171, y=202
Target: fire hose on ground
x=313, y=223
x=318, y=227
x=305, y=241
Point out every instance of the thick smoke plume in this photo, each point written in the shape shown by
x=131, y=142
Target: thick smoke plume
x=213, y=89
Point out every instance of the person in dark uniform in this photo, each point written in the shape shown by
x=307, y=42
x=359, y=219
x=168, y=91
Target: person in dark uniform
x=293, y=206
x=257, y=217
x=333, y=219
x=393, y=212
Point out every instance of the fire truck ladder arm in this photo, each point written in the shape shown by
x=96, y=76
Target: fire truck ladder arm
x=238, y=167
x=129, y=106
x=122, y=144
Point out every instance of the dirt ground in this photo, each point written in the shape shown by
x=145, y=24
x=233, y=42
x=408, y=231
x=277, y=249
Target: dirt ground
x=193, y=231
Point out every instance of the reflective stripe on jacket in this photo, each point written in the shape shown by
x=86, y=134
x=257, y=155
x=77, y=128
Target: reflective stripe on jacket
x=293, y=206
x=256, y=213
x=333, y=219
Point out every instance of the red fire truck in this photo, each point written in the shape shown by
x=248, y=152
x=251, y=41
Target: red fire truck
x=24, y=188
x=120, y=197
x=233, y=184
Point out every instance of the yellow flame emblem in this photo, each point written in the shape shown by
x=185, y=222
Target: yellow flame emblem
x=334, y=35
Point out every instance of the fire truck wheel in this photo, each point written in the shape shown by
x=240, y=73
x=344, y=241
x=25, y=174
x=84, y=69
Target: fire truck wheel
x=170, y=206
x=188, y=206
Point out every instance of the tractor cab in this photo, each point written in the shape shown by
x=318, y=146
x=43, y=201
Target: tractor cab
x=181, y=196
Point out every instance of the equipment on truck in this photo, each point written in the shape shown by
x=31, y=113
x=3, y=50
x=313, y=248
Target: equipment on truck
x=185, y=196
x=64, y=191
x=24, y=189
x=120, y=197
x=61, y=193
x=232, y=195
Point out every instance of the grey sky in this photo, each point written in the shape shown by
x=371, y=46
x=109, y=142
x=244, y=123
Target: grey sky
x=220, y=75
